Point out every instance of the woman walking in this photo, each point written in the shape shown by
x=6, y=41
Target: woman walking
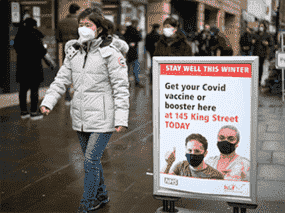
x=100, y=103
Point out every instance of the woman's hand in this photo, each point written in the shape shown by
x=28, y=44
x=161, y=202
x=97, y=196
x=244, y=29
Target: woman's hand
x=120, y=129
x=45, y=110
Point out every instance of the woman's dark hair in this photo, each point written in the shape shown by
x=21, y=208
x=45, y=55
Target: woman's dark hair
x=97, y=18
x=171, y=21
x=110, y=26
x=199, y=138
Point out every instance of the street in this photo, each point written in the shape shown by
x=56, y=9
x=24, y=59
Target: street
x=44, y=172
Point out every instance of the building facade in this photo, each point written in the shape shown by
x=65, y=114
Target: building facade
x=225, y=14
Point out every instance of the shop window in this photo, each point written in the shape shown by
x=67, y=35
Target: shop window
x=210, y=16
x=229, y=20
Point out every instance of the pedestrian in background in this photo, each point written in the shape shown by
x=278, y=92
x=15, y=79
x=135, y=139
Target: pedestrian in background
x=67, y=30
x=133, y=37
x=273, y=47
x=172, y=42
x=30, y=50
x=204, y=39
x=100, y=104
x=116, y=41
x=261, y=47
x=120, y=31
x=245, y=43
x=221, y=42
x=151, y=40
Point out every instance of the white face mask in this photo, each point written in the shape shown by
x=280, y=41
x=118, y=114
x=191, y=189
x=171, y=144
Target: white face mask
x=168, y=32
x=85, y=34
x=128, y=24
x=261, y=29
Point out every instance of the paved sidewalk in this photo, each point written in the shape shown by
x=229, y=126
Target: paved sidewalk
x=271, y=149
x=43, y=164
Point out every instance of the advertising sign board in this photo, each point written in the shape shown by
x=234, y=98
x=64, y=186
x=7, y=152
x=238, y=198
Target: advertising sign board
x=205, y=127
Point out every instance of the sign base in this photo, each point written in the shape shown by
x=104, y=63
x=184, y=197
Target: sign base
x=165, y=200
x=241, y=206
x=179, y=210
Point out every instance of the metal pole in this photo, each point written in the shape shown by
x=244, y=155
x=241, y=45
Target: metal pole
x=282, y=45
x=283, y=85
x=172, y=206
x=165, y=205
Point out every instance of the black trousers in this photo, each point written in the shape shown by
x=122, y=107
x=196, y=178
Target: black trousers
x=261, y=62
x=227, y=52
x=24, y=87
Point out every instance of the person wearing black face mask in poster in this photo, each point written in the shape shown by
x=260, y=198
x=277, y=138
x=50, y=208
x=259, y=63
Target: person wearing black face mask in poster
x=194, y=165
x=230, y=164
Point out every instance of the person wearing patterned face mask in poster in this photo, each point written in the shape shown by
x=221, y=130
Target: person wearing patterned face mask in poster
x=194, y=166
x=233, y=166
x=173, y=42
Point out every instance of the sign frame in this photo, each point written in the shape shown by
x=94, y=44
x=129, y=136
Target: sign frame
x=277, y=54
x=161, y=191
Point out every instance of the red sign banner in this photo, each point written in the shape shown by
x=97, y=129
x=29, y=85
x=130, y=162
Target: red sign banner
x=219, y=70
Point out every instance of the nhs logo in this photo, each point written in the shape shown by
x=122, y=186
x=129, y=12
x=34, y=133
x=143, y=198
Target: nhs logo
x=171, y=181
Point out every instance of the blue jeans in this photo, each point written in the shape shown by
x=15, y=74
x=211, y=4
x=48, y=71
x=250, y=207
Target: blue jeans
x=135, y=67
x=93, y=146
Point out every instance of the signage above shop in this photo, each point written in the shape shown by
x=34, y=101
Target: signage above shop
x=110, y=1
x=34, y=2
x=15, y=9
x=139, y=1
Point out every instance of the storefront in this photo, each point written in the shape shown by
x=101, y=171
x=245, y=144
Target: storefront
x=48, y=13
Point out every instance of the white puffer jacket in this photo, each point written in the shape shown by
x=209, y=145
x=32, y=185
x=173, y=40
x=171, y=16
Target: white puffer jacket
x=101, y=88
